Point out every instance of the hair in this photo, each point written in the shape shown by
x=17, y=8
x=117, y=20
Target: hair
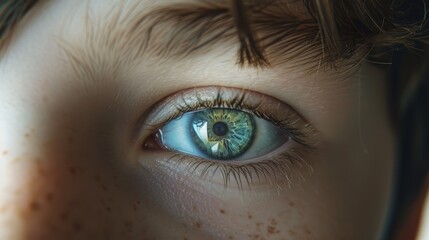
x=392, y=34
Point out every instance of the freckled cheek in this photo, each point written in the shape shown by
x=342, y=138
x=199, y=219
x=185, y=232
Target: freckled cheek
x=181, y=204
x=224, y=215
x=45, y=197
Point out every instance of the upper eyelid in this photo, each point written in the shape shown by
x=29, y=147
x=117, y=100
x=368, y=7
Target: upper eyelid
x=213, y=95
x=245, y=100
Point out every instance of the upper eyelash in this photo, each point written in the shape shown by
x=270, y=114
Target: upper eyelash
x=298, y=135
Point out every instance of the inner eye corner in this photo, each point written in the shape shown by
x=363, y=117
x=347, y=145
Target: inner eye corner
x=151, y=143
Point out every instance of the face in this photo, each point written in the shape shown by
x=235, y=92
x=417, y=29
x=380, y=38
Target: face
x=109, y=130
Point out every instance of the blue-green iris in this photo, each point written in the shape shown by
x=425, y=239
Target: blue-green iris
x=222, y=133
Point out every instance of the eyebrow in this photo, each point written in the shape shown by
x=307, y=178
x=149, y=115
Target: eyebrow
x=179, y=31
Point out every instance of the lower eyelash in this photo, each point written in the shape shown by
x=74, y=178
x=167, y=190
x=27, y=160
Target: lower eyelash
x=279, y=170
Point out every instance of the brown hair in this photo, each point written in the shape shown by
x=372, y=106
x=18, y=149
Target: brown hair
x=344, y=26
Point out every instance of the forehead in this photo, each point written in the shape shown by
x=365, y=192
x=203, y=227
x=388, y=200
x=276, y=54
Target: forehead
x=178, y=28
x=109, y=39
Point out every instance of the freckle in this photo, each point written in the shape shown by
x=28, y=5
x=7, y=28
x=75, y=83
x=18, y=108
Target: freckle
x=273, y=222
x=49, y=197
x=292, y=204
x=70, y=140
x=5, y=152
x=97, y=178
x=104, y=188
x=34, y=206
x=292, y=232
x=222, y=211
x=77, y=226
x=254, y=236
x=128, y=225
x=307, y=231
x=258, y=224
x=64, y=216
x=135, y=207
x=198, y=225
x=72, y=170
x=271, y=229
x=27, y=135
x=108, y=209
x=249, y=216
x=230, y=237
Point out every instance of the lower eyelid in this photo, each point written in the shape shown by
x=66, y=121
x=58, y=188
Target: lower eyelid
x=276, y=171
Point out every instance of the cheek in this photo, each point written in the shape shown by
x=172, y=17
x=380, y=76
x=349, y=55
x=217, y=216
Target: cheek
x=57, y=182
x=355, y=175
x=54, y=195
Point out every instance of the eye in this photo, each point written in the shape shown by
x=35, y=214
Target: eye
x=227, y=136
x=221, y=134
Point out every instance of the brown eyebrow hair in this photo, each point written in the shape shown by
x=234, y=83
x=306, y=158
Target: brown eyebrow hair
x=176, y=31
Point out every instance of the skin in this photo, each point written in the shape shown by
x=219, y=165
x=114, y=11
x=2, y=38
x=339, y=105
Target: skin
x=68, y=169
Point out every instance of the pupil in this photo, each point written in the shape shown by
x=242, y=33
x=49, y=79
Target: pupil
x=220, y=128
